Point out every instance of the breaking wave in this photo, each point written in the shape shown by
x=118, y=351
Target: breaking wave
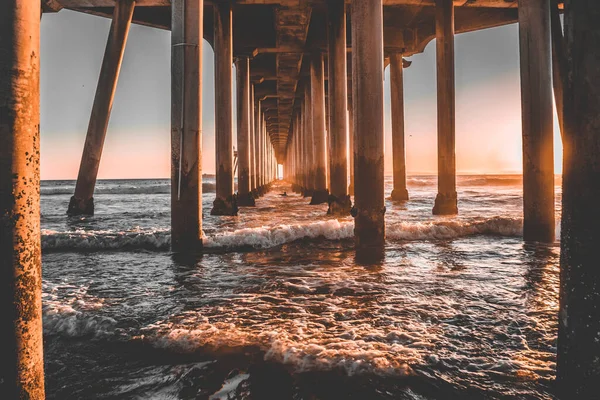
x=500, y=226
x=80, y=240
x=272, y=236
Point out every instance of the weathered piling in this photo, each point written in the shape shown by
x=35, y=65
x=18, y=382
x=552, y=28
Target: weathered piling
x=82, y=202
x=367, y=97
x=186, y=124
x=578, y=350
x=399, y=192
x=317, y=100
x=244, y=196
x=351, y=148
x=339, y=201
x=537, y=117
x=21, y=363
x=225, y=203
x=309, y=151
x=252, y=143
x=446, y=200
x=257, y=148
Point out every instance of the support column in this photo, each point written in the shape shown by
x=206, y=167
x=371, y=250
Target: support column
x=446, y=200
x=21, y=363
x=257, y=144
x=339, y=201
x=351, y=147
x=367, y=96
x=186, y=125
x=225, y=202
x=252, y=144
x=317, y=96
x=244, y=197
x=579, y=300
x=82, y=202
x=308, y=144
x=399, y=192
x=537, y=116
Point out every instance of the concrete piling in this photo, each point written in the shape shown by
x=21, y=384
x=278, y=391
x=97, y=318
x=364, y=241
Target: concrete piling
x=446, y=200
x=351, y=148
x=317, y=99
x=22, y=361
x=244, y=196
x=367, y=96
x=309, y=147
x=186, y=125
x=537, y=116
x=82, y=202
x=339, y=201
x=578, y=344
x=399, y=192
x=225, y=203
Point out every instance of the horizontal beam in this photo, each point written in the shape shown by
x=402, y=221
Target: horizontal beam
x=143, y=3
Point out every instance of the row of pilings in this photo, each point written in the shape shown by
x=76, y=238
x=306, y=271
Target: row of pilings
x=578, y=347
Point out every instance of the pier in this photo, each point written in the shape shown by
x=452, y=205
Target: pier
x=310, y=98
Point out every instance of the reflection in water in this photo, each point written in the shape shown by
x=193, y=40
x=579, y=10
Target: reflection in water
x=290, y=311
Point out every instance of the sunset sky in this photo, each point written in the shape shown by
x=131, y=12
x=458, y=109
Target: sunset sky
x=488, y=113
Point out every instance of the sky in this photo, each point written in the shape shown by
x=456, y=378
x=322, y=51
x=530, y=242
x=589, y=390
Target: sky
x=488, y=107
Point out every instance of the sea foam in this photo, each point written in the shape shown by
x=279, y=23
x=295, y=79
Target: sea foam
x=272, y=236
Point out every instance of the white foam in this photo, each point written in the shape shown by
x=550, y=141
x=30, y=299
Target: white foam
x=266, y=237
x=450, y=229
x=79, y=240
x=272, y=236
x=229, y=387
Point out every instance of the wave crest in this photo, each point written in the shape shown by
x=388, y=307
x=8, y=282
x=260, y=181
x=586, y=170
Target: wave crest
x=500, y=226
x=272, y=236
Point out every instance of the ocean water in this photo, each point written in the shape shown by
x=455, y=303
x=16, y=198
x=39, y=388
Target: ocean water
x=278, y=308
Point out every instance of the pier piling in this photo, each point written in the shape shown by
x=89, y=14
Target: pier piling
x=225, y=203
x=21, y=360
x=244, y=196
x=186, y=125
x=537, y=116
x=317, y=99
x=367, y=96
x=82, y=202
x=339, y=201
x=578, y=347
x=446, y=200
x=399, y=192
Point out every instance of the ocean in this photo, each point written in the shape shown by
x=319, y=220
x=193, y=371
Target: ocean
x=278, y=308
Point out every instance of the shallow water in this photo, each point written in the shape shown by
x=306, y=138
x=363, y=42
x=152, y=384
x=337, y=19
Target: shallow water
x=278, y=307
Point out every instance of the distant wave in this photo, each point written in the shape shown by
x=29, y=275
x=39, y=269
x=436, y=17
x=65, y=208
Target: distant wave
x=470, y=180
x=207, y=187
x=273, y=236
